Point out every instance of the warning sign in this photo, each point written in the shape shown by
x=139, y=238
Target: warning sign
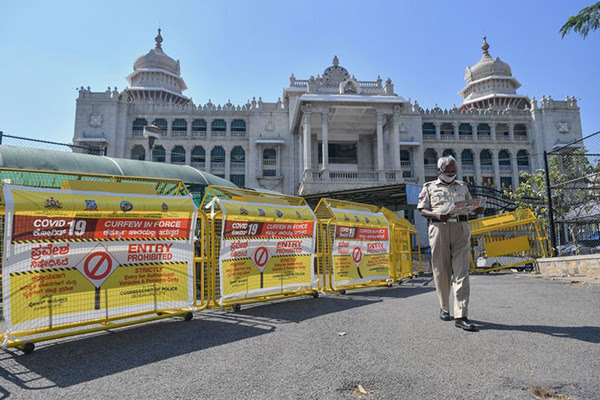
x=357, y=255
x=98, y=265
x=74, y=256
x=261, y=257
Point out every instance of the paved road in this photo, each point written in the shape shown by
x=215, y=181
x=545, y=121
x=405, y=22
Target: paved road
x=533, y=332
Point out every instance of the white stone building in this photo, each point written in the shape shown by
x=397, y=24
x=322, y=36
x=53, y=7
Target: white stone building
x=331, y=131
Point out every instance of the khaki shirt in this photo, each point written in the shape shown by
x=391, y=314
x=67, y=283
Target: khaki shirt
x=439, y=197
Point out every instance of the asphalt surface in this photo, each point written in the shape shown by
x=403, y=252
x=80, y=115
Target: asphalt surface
x=533, y=332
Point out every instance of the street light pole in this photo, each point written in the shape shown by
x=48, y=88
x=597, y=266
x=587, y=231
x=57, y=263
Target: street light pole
x=153, y=133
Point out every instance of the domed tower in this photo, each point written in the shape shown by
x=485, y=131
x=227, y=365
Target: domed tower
x=156, y=77
x=490, y=84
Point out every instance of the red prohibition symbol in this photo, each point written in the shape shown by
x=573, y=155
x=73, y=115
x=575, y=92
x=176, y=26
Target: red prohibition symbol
x=97, y=265
x=261, y=256
x=357, y=255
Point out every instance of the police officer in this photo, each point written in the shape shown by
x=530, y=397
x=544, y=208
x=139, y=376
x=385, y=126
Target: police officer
x=450, y=240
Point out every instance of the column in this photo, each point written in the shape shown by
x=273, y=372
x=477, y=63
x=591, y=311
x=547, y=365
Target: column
x=456, y=136
x=169, y=127
x=493, y=132
x=167, y=152
x=459, y=171
x=207, y=152
x=474, y=131
x=227, y=162
x=515, y=169
x=496, y=166
x=325, y=144
x=380, y=161
x=438, y=133
x=477, y=167
x=395, y=143
x=188, y=153
x=511, y=132
x=189, y=127
x=306, y=138
x=228, y=127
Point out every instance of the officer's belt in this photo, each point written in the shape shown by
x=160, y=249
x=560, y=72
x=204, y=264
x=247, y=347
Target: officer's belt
x=456, y=218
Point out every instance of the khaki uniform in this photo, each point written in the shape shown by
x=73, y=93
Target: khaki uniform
x=450, y=244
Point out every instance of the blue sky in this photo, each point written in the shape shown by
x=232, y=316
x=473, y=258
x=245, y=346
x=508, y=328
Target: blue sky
x=239, y=49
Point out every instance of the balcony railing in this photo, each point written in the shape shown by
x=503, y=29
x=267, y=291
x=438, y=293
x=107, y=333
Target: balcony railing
x=238, y=165
x=266, y=163
x=137, y=133
x=468, y=167
x=238, y=133
x=521, y=138
x=218, y=133
x=502, y=138
x=523, y=167
x=430, y=168
x=408, y=173
x=465, y=138
x=486, y=167
x=429, y=137
x=504, y=167
x=447, y=138
x=485, y=138
x=217, y=164
x=178, y=133
x=201, y=134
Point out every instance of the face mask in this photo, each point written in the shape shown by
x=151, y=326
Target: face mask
x=447, y=178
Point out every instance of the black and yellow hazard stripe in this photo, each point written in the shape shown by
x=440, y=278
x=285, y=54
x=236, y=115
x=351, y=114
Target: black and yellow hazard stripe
x=267, y=237
x=42, y=271
x=94, y=240
x=154, y=264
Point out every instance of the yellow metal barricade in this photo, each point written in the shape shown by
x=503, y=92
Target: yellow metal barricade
x=90, y=252
x=404, y=262
x=353, y=246
x=509, y=240
x=260, y=247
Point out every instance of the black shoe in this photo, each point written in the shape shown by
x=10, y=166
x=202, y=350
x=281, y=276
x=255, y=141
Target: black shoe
x=465, y=324
x=444, y=316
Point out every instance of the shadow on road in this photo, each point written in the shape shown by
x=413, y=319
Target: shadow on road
x=401, y=292
x=590, y=334
x=300, y=310
x=82, y=359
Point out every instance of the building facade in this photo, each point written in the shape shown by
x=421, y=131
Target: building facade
x=331, y=131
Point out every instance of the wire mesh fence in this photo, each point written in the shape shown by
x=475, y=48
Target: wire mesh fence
x=19, y=141
x=573, y=190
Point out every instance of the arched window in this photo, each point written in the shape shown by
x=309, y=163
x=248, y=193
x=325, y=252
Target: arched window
x=502, y=133
x=217, y=157
x=430, y=158
x=504, y=159
x=465, y=131
x=198, y=157
x=179, y=127
x=485, y=158
x=428, y=130
x=199, y=127
x=484, y=132
x=178, y=155
x=521, y=132
x=159, y=154
x=238, y=158
x=447, y=131
x=138, y=126
x=467, y=158
x=523, y=160
x=161, y=123
x=269, y=162
x=138, y=152
x=218, y=127
x=449, y=152
x=238, y=128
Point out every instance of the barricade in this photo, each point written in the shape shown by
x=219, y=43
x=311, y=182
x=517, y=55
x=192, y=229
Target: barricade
x=509, y=240
x=353, y=246
x=260, y=247
x=404, y=262
x=84, y=252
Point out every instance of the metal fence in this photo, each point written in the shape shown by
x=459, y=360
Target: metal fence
x=573, y=191
x=19, y=141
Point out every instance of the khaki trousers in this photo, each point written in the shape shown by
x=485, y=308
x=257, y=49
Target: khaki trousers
x=450, y=261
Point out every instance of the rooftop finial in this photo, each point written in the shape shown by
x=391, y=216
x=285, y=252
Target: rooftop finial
x=158, y=40
x=336, y=62
x=485, y=47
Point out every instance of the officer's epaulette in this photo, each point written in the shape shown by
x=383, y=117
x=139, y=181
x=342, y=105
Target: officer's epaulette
x=428, y=183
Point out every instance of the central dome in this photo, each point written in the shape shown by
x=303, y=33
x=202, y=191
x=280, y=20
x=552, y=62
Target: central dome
x=156, y=58
x=487, y=66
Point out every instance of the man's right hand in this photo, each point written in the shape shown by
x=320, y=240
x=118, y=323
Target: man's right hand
x=443, y=217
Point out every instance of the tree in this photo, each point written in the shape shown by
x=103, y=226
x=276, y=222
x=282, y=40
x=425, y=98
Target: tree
x=575, y=196
x=588, y=19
